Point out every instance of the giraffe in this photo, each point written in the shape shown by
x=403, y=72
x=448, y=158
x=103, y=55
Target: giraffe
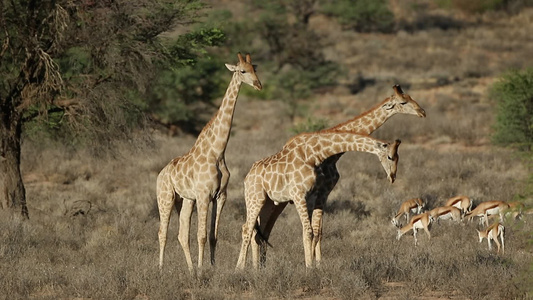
x=201, y=176
x=327, y=174
x=290, y=175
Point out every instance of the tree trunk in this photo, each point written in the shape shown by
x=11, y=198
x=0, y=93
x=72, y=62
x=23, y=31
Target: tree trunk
x=13, y=191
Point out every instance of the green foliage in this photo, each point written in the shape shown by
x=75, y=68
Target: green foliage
x=188, y=48
x=106, y=57
x=289, y=50
x=481, y=6
x=178, y=89
x=311, y=125
x=43, y=126
x=514, y=114
x=192, y=77
x=361, y=15
x=74, y=62
x=297, y=83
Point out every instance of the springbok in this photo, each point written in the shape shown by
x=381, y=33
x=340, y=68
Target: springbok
x=492, y=233
x=415, y=205
x=417, y=222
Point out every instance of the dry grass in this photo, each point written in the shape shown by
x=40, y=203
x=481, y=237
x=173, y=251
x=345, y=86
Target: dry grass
x=109, y=249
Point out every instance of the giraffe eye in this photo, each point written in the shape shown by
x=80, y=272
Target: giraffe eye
x=242, y=71
x=388, y=106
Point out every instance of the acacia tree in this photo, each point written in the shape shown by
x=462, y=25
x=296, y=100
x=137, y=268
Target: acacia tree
x=81, y=68
x=514, y=111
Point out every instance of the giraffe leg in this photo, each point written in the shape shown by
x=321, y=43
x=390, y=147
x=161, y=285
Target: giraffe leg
x=213, y=235
x=307, y=231
x=202, y=211
x=165, y=202
x=325, y=183
x=317, y=233
x=253, y=207
x=258, y=238
x=218, y=205
x=255, y=249
x=184, y=231
x=268, y=217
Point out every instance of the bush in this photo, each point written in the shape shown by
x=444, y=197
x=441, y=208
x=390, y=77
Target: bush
x=481, y=6
x=311, y=125
x=291, y=52
x=177, y=90
x=514, y=114
x=362, y=15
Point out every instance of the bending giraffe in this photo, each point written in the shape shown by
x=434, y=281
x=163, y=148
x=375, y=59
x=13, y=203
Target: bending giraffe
x=327, y=175
x=201, y=176
x=290, y=175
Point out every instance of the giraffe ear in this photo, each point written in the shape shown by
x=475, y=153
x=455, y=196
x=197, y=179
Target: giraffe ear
x=232, y=68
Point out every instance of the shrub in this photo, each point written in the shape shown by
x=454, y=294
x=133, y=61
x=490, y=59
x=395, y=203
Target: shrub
x=481, y=6
x=291, y=52
x=311, y=125
x=362, y=15
x=192, y=79
x=514, y=113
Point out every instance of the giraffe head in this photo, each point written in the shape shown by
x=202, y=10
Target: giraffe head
x=389, y=158
x=246, y=71
x=402, y=103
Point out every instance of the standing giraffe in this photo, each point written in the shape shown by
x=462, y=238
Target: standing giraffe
x=290, y=174
x=327, y=174
x=201, y=175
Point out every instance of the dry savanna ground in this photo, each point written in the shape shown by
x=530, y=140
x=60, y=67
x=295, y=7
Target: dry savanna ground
x=94, y=221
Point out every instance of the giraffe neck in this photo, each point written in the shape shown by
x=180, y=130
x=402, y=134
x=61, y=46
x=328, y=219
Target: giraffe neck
x=367, y=122
x=318, y=147
x=216, y=132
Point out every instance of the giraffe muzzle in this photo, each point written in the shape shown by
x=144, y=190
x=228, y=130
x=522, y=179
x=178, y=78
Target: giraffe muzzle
x=392, y=177
x=257, y=85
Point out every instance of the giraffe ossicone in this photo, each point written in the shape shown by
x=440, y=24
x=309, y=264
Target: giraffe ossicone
x=201, y=176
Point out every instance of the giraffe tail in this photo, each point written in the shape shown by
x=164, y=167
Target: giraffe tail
x=260, y=234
